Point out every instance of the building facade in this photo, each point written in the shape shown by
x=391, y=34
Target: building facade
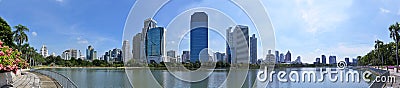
x=323, y=57
x=288, y=57
x=155, y=45
x=43, y=51
x=253, y=49
x=198, y=36
x=126, y=55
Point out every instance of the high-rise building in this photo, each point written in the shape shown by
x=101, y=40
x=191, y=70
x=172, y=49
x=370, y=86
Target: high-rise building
x=298, y=60
x=43, y=51
x=253, y=49
x=317, y=60
x=355, y=61
x=219, y=56
x=270, y=58
x=155, y=45
x=277, y=59
x=171, y=56
x=126, y=56
x=66, y=55
x=241, y=35
x=91, y=53
x=185, y=56
x=74, y=53
x=69, y=54
x=332, y=59
x=323, y=57
x=288, y=57
x=147, y=25
x=198, y=36
x=347, y=60
x=229, y=45
x=282, y=58
x=136, y=47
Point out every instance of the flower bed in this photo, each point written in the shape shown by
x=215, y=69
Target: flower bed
x=10, y=61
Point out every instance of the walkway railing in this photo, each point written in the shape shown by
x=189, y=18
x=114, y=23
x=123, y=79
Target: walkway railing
x=64, y=81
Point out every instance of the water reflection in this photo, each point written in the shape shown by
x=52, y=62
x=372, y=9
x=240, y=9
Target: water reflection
x=94, y=78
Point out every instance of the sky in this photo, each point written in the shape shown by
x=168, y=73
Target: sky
x=306, y=28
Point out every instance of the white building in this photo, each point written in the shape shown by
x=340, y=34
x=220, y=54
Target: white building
x=43, y=51
x=136, y=47
x=239, y=44
x=126, y=56
x=171, y=54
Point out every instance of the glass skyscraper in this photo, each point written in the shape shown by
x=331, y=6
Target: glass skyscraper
x=198, y=36
x=154, y=44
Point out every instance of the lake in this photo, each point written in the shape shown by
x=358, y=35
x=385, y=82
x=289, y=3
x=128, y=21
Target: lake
x=117, y=78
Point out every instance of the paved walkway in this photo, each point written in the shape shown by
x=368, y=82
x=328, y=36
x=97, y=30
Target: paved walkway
x=395, y=84
x=34, y=80
x=28, y=80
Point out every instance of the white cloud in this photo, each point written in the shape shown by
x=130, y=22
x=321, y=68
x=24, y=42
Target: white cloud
x=323, y=16
x=34, y=34
x=82, y=41
x=383, y=10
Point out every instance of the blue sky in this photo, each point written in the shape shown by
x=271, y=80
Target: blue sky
x=308, y=28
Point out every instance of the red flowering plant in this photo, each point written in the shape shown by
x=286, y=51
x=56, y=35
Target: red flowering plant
x=10, y=59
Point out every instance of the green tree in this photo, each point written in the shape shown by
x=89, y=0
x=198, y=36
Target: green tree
x=378, y=46
x=19, y=35
x=6, y=34
x=394, y=34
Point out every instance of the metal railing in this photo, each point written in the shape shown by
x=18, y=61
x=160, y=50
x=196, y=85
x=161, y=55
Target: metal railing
x=380, y=73
x=64, y=81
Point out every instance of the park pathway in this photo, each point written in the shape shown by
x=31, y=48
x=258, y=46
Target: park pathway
x=34, y=80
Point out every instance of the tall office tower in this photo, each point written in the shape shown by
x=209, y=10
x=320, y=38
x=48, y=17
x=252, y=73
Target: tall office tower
x=136, y=43
x=126, y=56
x=288, y=57
x=229, y=45
x=218, y=56
x=43, y=51
x=94, y=57
x=66, y=55
x=253, y=49
x=282, y=58
x=355, y=60
x=242, y=44
x=185, y=56
x=298, y=60
x=155, y=45
x=332, y=60
x=347, y=60
x=277, y=59
x=74, y=53
x=198, y=37
x=147, y=25
x=317, y=60
x=171, y=56
x=270, y=58
x=90, y=53
x=323, y=57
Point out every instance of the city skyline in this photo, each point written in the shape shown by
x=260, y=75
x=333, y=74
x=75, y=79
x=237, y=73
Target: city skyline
x=75, y=28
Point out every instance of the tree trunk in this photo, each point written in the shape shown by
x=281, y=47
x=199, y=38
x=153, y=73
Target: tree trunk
x=397, y=52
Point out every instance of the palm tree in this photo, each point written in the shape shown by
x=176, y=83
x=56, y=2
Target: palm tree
x=394, y=34
x=19, y=35
x=378, y=43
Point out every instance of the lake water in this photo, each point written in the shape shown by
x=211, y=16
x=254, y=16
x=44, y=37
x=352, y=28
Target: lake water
x=117, y=78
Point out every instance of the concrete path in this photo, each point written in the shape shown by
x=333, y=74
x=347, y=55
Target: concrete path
x=27, y=80
x=34, y=80
x=395, y=84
